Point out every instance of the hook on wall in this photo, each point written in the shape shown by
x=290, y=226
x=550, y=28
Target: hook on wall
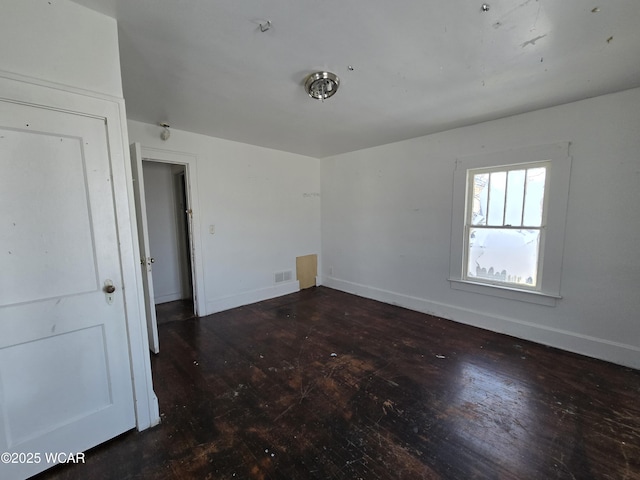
x=265, y=26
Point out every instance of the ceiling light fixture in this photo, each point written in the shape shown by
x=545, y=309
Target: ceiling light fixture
x=321, y=85
x=165, y=134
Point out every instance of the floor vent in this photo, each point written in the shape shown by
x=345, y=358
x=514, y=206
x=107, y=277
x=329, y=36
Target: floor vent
x=283, y=276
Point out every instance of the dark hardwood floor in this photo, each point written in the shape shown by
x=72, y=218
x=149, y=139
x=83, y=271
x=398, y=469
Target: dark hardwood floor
x=325, y=385
x=174, y=311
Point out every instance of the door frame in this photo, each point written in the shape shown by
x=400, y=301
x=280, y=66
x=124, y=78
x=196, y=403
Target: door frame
x=189, y=161
x=111, y=110
x=179, y=183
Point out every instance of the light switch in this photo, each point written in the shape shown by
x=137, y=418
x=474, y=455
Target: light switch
x=212, y=229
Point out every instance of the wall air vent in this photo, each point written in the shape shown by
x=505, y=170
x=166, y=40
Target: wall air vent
x=283, y=276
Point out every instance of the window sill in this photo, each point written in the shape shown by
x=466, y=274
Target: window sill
x=540, y=298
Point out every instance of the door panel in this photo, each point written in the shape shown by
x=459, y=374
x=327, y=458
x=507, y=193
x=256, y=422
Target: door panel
x=44, y=358
x=65, y=381
x=146, y=260
x=59, y=248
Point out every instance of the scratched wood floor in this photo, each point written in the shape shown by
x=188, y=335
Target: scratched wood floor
x=325, y=385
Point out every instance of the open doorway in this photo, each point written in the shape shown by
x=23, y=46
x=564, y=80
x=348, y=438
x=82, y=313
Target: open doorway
x=167, y=212
x=174, y=265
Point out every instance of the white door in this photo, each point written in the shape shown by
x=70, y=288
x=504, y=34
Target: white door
x=65, y=376
x=146, y=260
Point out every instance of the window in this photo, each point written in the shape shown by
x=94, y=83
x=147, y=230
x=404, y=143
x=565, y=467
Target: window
x=504, y=225
x=508, y=223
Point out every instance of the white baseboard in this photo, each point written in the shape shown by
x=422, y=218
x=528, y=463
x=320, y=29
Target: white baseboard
x=253, y=296
x=619, y=353
x=170, y=297
x=154, y=409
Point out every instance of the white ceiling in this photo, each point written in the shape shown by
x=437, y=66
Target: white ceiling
x=419, y=66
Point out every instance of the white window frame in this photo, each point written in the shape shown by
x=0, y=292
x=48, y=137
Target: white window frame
x=558, y=162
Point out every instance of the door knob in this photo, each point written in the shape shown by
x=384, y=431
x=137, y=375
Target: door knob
x=109, y=289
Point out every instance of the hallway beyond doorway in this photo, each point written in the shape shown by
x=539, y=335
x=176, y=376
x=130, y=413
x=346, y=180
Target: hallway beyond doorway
x=174, y=311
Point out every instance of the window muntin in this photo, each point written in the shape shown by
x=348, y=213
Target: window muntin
x=504, y=225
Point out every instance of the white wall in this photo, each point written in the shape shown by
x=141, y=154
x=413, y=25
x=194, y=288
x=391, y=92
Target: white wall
x=386, y=221
x=264, y=204
x=61, y=42
x=164, y=246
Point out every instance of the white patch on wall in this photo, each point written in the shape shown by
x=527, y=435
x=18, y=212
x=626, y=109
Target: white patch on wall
x=283, y=276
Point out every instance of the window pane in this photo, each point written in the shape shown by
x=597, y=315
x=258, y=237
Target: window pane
x=503, y=255
x=480, y=190
x=497, y=184
x=534, y=200
x=515, y=198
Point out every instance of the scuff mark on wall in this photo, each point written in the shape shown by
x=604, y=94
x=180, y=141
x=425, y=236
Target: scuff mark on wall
x=533, y=40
